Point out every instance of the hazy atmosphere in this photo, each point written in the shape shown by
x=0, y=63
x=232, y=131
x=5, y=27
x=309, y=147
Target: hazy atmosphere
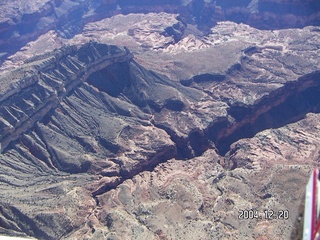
x=183, y=119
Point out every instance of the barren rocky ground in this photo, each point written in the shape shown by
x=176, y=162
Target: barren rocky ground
x=124, y=121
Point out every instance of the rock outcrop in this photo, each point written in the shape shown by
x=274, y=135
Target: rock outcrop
x=28, y=94
x=179, y=129
x=22, y=22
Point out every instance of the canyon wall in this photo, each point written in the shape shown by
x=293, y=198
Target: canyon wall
x=191, y=122
x=22, y=22
x=92, y=112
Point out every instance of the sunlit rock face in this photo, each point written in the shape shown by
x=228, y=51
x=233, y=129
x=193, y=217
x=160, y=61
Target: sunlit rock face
x=24, y=21
x=157, y=120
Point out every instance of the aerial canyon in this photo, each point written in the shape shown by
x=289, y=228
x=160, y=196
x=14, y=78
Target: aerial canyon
x=157, y=119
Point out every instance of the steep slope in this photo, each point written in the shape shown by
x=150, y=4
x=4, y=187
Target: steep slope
x=79, y=123
x=98, y=143
x=198, y=198
x=23, y=21
x=34, y=172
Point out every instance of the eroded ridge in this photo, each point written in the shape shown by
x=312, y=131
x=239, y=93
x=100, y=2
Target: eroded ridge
x=29, y=94
x=285, y=105
x=85, y=119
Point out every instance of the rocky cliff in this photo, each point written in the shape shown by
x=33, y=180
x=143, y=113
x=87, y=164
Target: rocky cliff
x=28, y=94
x=22, y=22
x=85, y=120
x=172, y=136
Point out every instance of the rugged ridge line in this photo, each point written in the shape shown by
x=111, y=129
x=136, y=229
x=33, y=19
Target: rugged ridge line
x=285, y=105
x=241, y=122
x=92, y=111
x=15, y=120
x=282, y=106
x=23, y=22
x=78, y=65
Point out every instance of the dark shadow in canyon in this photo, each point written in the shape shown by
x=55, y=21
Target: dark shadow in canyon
x=294, y=105
x=286, y=105
x=68, y=21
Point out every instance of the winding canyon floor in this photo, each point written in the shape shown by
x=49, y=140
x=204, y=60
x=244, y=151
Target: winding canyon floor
x=124, y=132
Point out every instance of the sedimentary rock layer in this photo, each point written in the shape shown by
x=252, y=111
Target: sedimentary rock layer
x=28, y=94
x=181, y=135
x=90, y=119
x=22, y=22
